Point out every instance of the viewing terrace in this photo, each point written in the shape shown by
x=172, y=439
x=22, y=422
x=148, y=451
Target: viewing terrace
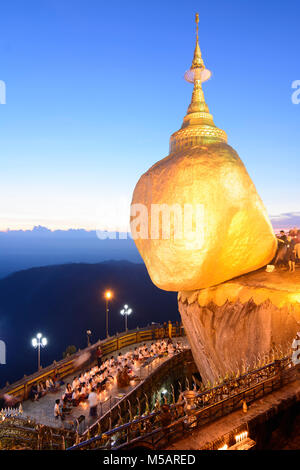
x=164, y=404
x=42, y=411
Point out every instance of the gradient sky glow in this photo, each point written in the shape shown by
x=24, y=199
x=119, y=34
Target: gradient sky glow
x=95, y=89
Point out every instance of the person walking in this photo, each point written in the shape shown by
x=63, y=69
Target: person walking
x=93, y=402
x=99, y=356
x=297, y=250
x=57, y=410
x=282, y=237
x=291, y=254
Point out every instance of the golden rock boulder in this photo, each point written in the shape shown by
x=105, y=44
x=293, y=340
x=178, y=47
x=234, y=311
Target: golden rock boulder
x=234, y=235
x=196, y=217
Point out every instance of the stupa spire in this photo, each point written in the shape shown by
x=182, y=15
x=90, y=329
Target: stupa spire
x=197, y=74
x=197, y=60
x=197, y=71
x=198, y=127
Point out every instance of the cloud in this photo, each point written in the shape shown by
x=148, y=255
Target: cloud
x=286, y=221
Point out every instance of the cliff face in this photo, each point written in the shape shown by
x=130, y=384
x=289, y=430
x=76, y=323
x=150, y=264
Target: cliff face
x=233, y=323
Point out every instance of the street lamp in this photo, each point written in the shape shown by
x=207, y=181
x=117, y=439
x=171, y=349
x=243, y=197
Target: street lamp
x=37, y=343
x=88, y=334
x=108, y=296
x=126, y=311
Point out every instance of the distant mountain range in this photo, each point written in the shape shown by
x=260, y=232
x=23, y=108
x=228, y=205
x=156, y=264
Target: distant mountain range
x=22, y=249
x=66, y=300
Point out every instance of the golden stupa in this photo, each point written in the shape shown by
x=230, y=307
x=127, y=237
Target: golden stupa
x=218, y=226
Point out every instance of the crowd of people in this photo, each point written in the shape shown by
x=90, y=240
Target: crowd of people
x=52, y=384
x=120, y=370
x=288, y=248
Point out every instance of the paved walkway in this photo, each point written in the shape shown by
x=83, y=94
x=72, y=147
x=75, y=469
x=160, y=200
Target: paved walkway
x=42, y=411
x=212, y=432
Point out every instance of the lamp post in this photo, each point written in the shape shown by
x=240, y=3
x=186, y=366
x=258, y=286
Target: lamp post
x=88, y=334
x=126, y=311
x=37, y=343
x=108, y=296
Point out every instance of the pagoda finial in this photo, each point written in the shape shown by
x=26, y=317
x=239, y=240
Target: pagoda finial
x=197, y=60
x=198, y=127
x=198, y=70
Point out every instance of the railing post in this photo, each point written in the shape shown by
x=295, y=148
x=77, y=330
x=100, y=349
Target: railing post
x=128, y=433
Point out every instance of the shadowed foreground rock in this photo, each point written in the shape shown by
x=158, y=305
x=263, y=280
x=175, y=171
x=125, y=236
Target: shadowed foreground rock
x=239, y=319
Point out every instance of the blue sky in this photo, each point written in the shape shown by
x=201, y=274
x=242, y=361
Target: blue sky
x=95, y=89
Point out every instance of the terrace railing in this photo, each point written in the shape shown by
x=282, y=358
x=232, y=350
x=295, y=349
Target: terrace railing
x=209, y=405
x=121, y=404
x=67, y=366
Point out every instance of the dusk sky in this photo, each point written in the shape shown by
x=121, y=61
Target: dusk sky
x=95, y=89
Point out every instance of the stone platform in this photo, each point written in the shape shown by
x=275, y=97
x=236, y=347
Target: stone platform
x=42, y=411
x=216, y=434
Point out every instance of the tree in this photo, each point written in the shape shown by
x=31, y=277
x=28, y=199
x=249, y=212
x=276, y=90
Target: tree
x=69, y=351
